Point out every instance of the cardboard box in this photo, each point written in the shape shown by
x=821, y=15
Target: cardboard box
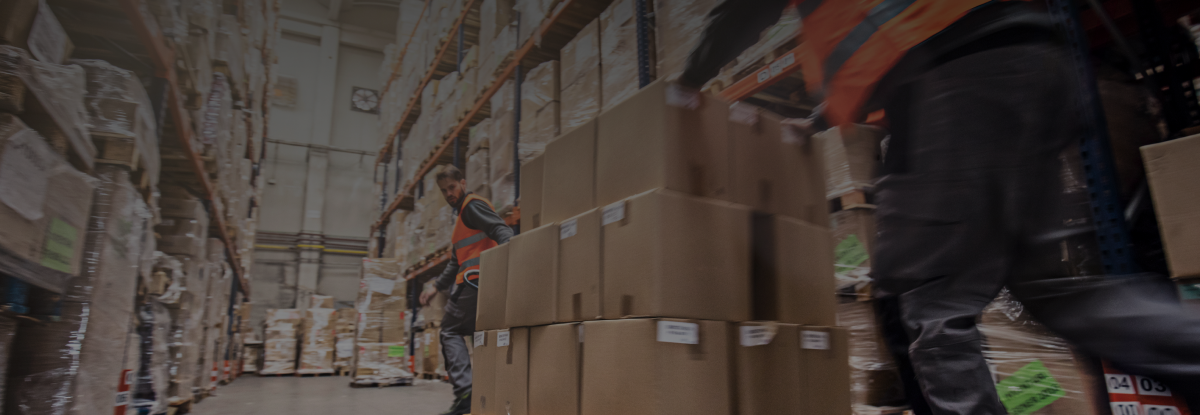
x=322, y=301
x=381, y=362
x=619, y=52
x=531, y=192
x=16, y=17
x=532, y=275
x=483, y=374
x=646, y=143
x=48, y=41
x=793, y=272
x=541, y=87
x=579, y=268
x=555, y=365
x=280, y=341
x=792, y=369
x=647, y=366
x=512, y=371
x=874, y=378
x=680, y=25
x=773, y=176
x=581, y=101
x=569, y=182
x=1172, y=171
x=581, y=55
x=317, y=341
x=493, y=288
x=429, y=354
x=851, y=156
x=659, y=262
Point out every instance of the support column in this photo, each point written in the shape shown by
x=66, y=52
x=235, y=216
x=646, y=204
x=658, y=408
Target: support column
x=312, y=228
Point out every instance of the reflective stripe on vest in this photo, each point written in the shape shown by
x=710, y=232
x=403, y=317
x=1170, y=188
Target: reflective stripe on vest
x=848, y=46
x=468, y=244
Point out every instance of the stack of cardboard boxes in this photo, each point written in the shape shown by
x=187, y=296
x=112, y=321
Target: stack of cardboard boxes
x=383, y=326
x=673, y=269
x=279, y=341
x=346, y=324
x=427, y=344
x=318, y=340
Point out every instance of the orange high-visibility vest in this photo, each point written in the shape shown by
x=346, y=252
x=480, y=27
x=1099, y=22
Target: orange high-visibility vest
x=847, y=46
x=469, y=243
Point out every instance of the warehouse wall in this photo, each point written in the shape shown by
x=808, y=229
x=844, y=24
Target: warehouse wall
x=315, y=188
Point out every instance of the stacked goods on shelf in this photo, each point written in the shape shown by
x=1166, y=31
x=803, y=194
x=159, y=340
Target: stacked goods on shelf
x=851, y=157
x=344, y=328
x=76, y=362
x=531, y=14
x=382, y=333
x=581, y=75
x=660, y=300
x=120, y=119
x=497, y=39
x=8, y=331
x=776, y=41
x=52, y=101
x=427, y=349
x=540, y=108
x=220, y=280
x=478, y=160
x=430, y=316
x=618, y=52
x=279, y=343
x=680, y=25
x=46, y=203
x=500, y=148
x=154, y=328
x=318, y=341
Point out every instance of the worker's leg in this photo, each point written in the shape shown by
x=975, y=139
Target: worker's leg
x=895, y=338
x=459, y=322
x=944, y=218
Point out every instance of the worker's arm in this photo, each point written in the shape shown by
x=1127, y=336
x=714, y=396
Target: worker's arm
x=446, y=280
x=733, y=26
x=479, y=216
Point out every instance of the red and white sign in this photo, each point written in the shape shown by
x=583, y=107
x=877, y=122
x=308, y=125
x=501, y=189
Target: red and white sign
x=1140, y=395
x=123, y=398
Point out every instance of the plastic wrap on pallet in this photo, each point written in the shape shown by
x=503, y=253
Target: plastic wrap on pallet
x=218, y=120
x=170, y=20
x=117, y=105
x=228, y=51
x=874, y=378
x=500, y=146
x=279, y=345
x=317, y=341
x=202, y=17
x=153, y=379
x=504, y=193
x=381, y=363
x=541, y=87
x=680, y=25
x=851, y=155
x=13, y=73
x=504, y=99
x=344, y=328
x=531, y=14
x=59, y=89
x=45, y=202
x=1035, y=371
x=539, y=130
x=74, y=364
x=477, y=174
x=618, y=52
x=480, y=136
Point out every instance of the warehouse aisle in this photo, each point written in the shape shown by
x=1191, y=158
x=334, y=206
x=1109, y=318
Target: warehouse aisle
x=253, y=395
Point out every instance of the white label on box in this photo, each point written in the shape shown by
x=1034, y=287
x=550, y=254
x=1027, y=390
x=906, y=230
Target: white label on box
x=480, y=338
x=814, y=340
x=613, y=213
x=47, y=37
x=380, y=285
x=1161, y=410
x=122, y=398
x=1148, y=386
x=502, y=338
x=24, y=173
x=1125, y=408
x=345, y=347
x=568, y=229
x=1119, y=384
x=756, y=336
x=678, y=332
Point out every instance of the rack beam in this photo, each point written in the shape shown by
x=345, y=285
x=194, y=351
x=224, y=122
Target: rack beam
x=780, y=69
x=163, y=57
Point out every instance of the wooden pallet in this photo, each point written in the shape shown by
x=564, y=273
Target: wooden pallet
x=313, y=375
x=382, y=384
x=179, y=407
x=267, y=375
x=857, y=198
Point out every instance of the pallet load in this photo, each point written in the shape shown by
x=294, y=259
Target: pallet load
x=121, y=119
x=279, y=344
x=382, y=336
x=317, y=342
x=347, y=319
x=618, y=303
x=76, y=362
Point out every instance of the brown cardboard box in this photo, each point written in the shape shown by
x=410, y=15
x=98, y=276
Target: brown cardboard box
x=512, y=371
x=581, y=101
x=874, y=378
x=381, y=363
x=579, y=268
x=279, y=346
x=569, y=182
x=322, y=301
x=1172, y=170
x=581, y=55
x=541, y=87
x=317, y=341
x=483, y=374
x=793, y=272
x=532, y=275
x=639, y=366
x=645, y=143
x=619, y=52
x=792, y=369
x=554, y=369
x=392, y=327
x=531, y=192
x=659, y=262
x=851, y=156
x=680, y=24
x=493, y=288
x=16, y=17
x=773, y=176
x=430, y=352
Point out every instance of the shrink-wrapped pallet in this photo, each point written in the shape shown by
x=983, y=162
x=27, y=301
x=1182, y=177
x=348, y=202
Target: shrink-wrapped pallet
x=318, y=341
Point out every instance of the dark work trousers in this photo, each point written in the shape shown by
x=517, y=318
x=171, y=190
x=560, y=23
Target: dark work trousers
x=458, y=322
x=971, y=201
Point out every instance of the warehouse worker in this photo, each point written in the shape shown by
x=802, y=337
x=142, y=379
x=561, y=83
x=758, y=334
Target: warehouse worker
x=981, y=104
x=476, y=229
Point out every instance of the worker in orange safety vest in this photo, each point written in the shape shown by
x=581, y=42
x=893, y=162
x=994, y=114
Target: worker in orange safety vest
x=981, y=104
x=477, y=228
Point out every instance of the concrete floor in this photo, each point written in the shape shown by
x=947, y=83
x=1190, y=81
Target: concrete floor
x=327, y=395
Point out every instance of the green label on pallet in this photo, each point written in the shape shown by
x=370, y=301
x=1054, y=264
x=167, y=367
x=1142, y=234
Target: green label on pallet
x=1029, y=389
x=396, y=351
x=849, y=254
x=1189, y=291
x=59, y=251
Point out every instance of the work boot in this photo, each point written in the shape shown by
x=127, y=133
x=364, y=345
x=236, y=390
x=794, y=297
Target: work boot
x=461, y=405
